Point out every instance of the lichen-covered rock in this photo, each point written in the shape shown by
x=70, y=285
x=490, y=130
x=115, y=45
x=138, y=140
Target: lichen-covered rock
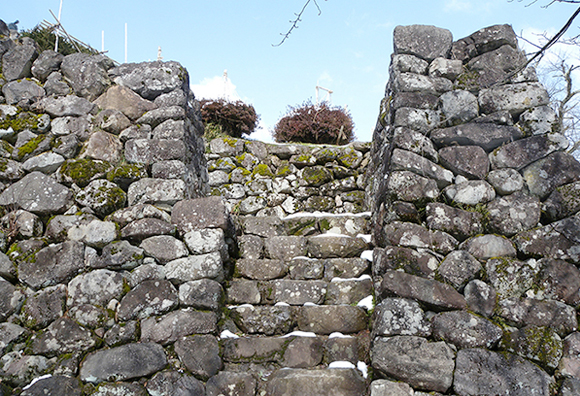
x=150, y=297
x=70, y=105
x=17, y=61
x=470, y=192
x=413, y=235
x=527, y=311
x=177, y=324
x=123, y=362
x=523, y=152
x=261, y=269
x=459, y=267
x=62, y=336
x=514, y=213
x=332, y=318
x=465, y=330
x=558, y=280
x=191, y=268
x=461, y=224
x=486, y=246
x=426, y=42
x=209, y=212
x=335, y=382
x=87, y=74
x=297, y=292
x=102, y=196
x=402, y=160
x=348, y=291
x=513, y=97
x=164, y=248
x=569, y=365
x=327, y=246
x=553, y=171
x=151, y=79
x=411, y=187
x=510, y=277
x=231, y=383
x=540, y=344
x=95, y=287
x=428, y=291
x=8, y=303
x=266, y=320
x=22, y=91
x=422, y=364
x=118, y=97
x=458, y=106
x=564, y=201
x=200, y=354
x=505, y=181
x=95, y=233
x=156, y=191
x=204, y=294
x=409, y=260
x=481, y=372
x=400, y=316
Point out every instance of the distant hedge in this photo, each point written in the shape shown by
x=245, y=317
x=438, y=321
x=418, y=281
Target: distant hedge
x=232, y=118
x=318, y=124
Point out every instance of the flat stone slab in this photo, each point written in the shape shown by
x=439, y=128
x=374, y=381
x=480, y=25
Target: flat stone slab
x=327, y=319
x=329, y=382
x=124, y=362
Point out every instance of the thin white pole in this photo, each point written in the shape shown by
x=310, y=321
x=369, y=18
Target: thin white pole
x=56, y=31
x=125, y=42
x=103, y=41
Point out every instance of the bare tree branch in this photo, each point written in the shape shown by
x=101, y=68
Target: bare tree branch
x=294, y=22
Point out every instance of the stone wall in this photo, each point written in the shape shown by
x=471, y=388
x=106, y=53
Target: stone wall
x=476, y=222
x=282, y=179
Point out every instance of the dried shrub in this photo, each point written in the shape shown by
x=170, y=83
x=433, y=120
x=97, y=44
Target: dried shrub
x=45, y=38
x=319, y=124
x=233, y=118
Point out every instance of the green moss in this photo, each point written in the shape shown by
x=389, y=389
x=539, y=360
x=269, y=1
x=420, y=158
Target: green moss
x=230, y=141
x=348, y=158
x=297, y=227
x=284, y=169
x=30, y=146
x=324, y=225
x=126, y=172
x=21, y=122
x=3, y=164
x=6, y=146
x=82, y=171
x=467, y=80
x=262, y=170
x=315, y=175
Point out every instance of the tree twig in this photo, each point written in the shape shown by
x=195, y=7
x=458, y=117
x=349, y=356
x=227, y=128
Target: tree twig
x=295, y=22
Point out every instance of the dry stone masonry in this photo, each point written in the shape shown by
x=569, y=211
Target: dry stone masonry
x=137, y=259
x=475, y=219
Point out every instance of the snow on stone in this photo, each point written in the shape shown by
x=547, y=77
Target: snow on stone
x=299, y=334
x=281, y=304
x=34, y=381
x=341, y=364
x=310, y=304
x=228, y=334
x=366, y=303
x=362, y=367
x=368, y=255
x=325, y=214
x=338, y=335
x=366, y=237
x=360, y=278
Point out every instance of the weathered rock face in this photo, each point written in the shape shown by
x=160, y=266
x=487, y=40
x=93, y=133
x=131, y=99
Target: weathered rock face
x=497, y=237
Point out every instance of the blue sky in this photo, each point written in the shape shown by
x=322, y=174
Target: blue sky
x=346, y=48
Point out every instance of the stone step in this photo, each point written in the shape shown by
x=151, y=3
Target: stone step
x=328, y=382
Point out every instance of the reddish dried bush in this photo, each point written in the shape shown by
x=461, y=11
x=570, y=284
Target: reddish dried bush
x=315, y=124
x=234, y=118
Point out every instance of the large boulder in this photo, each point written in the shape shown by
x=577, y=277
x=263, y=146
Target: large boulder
x=426, y=42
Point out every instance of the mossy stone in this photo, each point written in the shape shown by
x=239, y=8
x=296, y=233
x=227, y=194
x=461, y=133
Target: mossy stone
x=82, y=171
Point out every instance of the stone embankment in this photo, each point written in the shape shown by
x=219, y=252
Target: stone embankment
x=476, y=223
x=127, y=269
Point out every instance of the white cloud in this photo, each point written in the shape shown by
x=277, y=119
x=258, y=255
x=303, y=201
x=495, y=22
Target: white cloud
x=262, y=133
x=457, y=5
x=218, y=87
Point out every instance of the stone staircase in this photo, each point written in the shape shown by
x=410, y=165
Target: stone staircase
x=298, y=306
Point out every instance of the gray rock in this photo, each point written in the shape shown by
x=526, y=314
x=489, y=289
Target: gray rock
x=9, y=301
x=556, y=240
x=459, y=267
x=428, y=291
x=53, y=264
x=78, y=126
x=494, y=66
x=410, y=187
x=164, y=248
x=157, y=116
x=171, y=169
x=96, y=287
x=123, y=388
x=56, y=86
x=352, y=267
x=121, y=255
x=19, y=369
x=481, y=372
x=505, y=181
x=335, y=382
x=243, y=292
x=404, y=63
x=17, y=61
x=47, y=163
x=422, y=364
x=413, y=235
x=44, y=307
x=22, y=91
x=415, y=142
x=348, y=291
x=200, y=354
x=175, y=325
x=70, y=105
x=47, y=62
x=11, y=170
x=7, y=268
x=67, y=146
x=409, y=82
x=261, y=269
x=297, y=292
x=204, y=294
x=515, y=98
x=146, y=272
x=416, y=100
x=121, y=333
x=174, y=98
x=484, y=247
x=539, y=344
x=465, y=330
x=569, y=364
x=266, y=320
x=201, y=213
x=148, y=151
x=523, y=152
x=303, y=352
x=95, y=233
x=62, y=336
x=458, y=106
x=416, y=119
x=538, y=120
x=123, y=362
x=151, y=79
x=102, y=196
x=480, y=297
x=156, y=191
x=514, y=213
x=327, y=319
x=121, y=98
x=103, y=146
x=383, y=387
x=527, y=311
x=564, y=201
x=306, y=268
x=426, y=42
x=421, y=263
x=285, y=247
x=555, y=170
x=266, y=226
x=39, y=194
x=570, y=387
x=467, y=161
x=447, y=68
x=327, y=246
x=10, y=334
x=169, y=383
x=231, y=383
x=471, y=192
x=248, y=349
x=459, y=223
x=112, y=120
x=23, y=224
x=90, y=316
x=87, y=74
x=402, y=160
x=195, y=267
x=486, y=136
x=138, y=212
x=400, y=316
x=558, y=280
x=150, y=297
